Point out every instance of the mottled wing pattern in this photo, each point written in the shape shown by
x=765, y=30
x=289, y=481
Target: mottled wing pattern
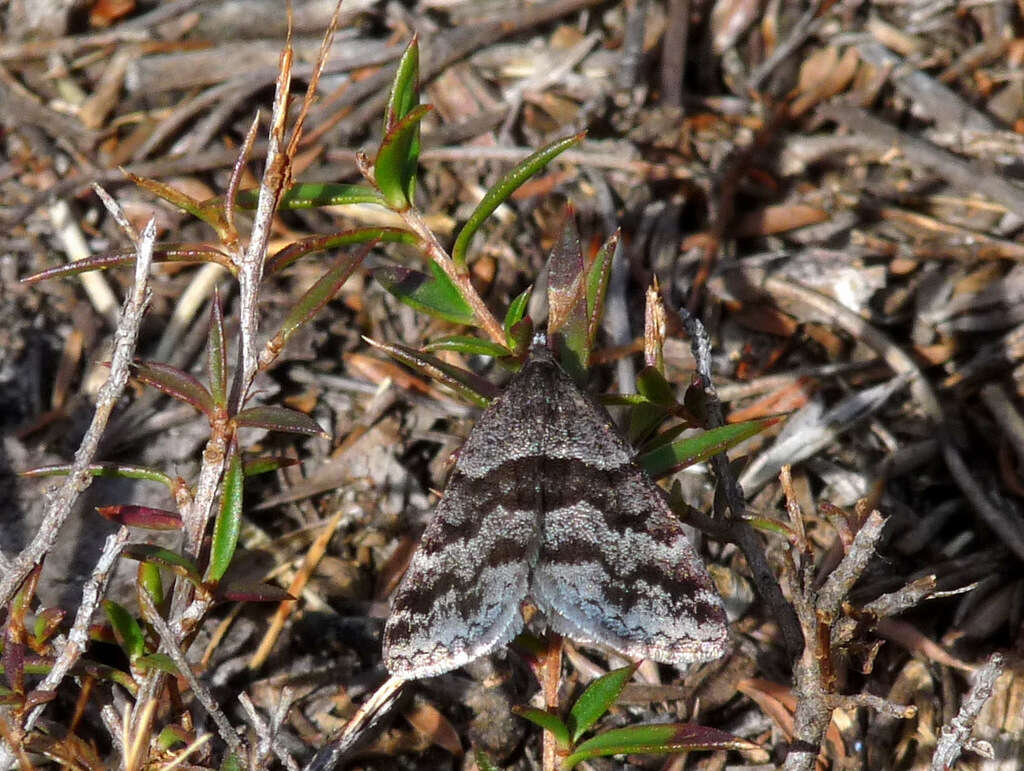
x=615, y=566
x=546, y=501
x=461, y=594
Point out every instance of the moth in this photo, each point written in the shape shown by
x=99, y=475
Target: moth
x=546, y=503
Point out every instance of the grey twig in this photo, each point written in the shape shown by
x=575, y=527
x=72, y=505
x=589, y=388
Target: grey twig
x=851, y=567
x=359, y=726
x=957, y=733
x=170, y=645
x=59, y=503
x=268, y=734
x=739, y=532
x=78, y=637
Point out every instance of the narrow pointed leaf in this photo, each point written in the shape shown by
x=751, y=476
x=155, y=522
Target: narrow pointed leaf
x=312, y=195
x=175, y=383
x=263, y=465
x=276, y=418
x=12, y=658
x=653, y=386
x=229, y=520
x=165, y=558
x=216, y=353
x=106, y=674
x=23, y=599
x=106, y=470
x=37, y=697
x=507, y=185
x=194, y=253
x=597, y=286
x=469, y=385
x=159, y=661
x=322, y=292
x=656, y=740
x=597, y=699
x=473, y=346
x=548, y=722
x=516, y=311
x=141, y=516
x=304, y=246
x=434, y=294
x=405, y=88
x=126, y=629
x=150, y=582
x=46, y=624
x=644, y=419
x=211, y=214
x=696, y=449
x=395, y=166
x=774, y=526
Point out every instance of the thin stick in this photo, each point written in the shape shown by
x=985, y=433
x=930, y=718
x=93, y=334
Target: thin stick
x=78, y=637
x=170, y=645
x=59, y=504
x=957, y=733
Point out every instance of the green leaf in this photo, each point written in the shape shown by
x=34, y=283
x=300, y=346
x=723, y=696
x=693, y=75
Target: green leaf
x=173, y=736
x=400, y=147
x=653, y=386
x=276, y=418
x=229, y=520
x=312, y=195
x=468, y=384
x=194, y=253
x=507, y=185
x=126, y=629
x=210, y=212
x=158, y=661
x=297, y=249
x=47, y=622
x=597, y=699
x=268, y=463
x=231, y=762
x=103, y=672
x=597, y=286
x=656, y=740
x=106, y=470
x=141, y=516
x=175, y=383
x=515, y=313
x=405, y=88
x=773, y=526
x=165, y=558
x=216, y=353
x=548, y=722
x=150, y=582
x=473, y=346
x=434, y=294
x=696, y=449
x=318, y=295
x=396, y=163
